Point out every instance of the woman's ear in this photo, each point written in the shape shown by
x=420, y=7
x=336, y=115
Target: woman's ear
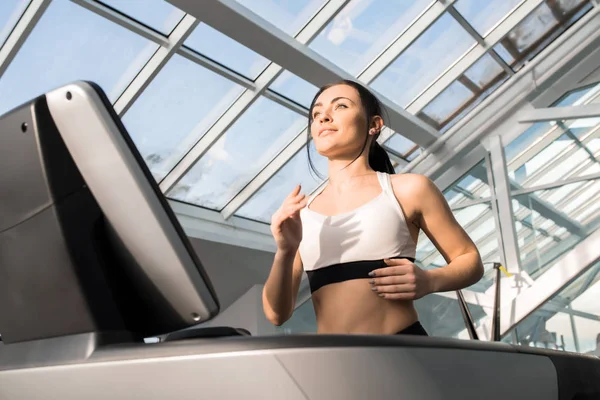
x=376, y=125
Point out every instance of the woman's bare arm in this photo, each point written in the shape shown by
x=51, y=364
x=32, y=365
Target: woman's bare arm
x=281, y=289
x=435, y=218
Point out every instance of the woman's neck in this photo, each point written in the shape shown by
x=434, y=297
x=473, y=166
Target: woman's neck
x=342, y=175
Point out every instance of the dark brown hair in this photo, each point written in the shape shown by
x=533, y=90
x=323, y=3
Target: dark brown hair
x=378, y=157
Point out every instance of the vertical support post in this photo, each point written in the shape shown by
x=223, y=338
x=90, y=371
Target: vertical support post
x=505, y=210
x=496, y=313
x=467, y=317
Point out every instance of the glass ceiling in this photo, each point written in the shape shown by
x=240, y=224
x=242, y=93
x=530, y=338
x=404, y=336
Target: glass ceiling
x=217, y=113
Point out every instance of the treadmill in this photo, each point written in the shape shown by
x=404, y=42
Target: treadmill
x=93, y=260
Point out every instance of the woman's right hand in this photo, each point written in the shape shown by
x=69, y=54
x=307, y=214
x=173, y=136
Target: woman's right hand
x=286, y=226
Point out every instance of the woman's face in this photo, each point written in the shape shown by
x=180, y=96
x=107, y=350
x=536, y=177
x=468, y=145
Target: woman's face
x=339, y=123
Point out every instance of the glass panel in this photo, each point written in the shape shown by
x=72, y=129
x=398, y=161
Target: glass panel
x=550, y=152
x=441, y=316
x=363, y=29
x=294, y=88
x=289, y=16
x=472, y=186
x=10, y=13
x=399, y=144
x=263, y=204
x=464, y=94
x=175, y=111
x=569, y=321
x=226, y=51
x=578, y=96
x=157, y=14
x=91, y=48
x=253, y=140
x=302, y=321
x=484, y=15
x=440, y=46
x=539, y=29
x=545, y=220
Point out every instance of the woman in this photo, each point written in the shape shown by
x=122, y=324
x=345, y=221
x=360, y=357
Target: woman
x=356, y=238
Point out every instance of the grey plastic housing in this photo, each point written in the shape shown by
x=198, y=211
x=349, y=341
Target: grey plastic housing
x=88, y=243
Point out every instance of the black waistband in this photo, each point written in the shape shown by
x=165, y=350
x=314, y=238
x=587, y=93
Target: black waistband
x=344, y=272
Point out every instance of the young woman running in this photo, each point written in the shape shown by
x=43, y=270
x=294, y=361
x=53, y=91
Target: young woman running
x=356, y=238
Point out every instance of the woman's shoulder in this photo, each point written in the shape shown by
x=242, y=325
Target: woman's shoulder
x=412, y=183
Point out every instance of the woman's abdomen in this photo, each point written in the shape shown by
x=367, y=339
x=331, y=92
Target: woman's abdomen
x=352, y=307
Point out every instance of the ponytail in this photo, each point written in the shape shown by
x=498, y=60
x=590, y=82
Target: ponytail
x=379, y=159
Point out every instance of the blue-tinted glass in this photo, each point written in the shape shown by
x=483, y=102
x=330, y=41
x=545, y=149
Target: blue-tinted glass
x=157, y=14
x=226, y=51
x=539, y=29
x=297, y=171
x=525, y=140
x=252, y=142
x=440, y=46
x=363, y=29
x=294, y=88
x=484, y=71
x=457, y=99
x=447, y=102
x=72, y=43
x=484, y=15
x=575, y=96
x=175, y=111
x=399, y=144
x=289, y=16
x=10, y=12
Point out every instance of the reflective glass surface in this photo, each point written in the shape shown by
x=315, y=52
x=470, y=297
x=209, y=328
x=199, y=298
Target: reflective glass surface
x=471, y=88
x=551, y=222
x=157, y=14
x=226, y=51
x=569, y=321
x=10, y=12
x=554, y=151
x=91, y=48
x=289, y=16
x=539, y=29
x=175, y=111
x=399, y=144
x=363, y=29
x=439, y=47
x=266, y=201
x=484, y=15
x=294, y=88
x=243, y=150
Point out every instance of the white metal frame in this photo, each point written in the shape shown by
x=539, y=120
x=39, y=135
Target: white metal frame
x=21, y=31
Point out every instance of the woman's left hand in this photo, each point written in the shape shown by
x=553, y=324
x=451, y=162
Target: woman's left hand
x=401, y=280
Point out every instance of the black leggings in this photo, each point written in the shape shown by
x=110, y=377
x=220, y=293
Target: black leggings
x=414, y=329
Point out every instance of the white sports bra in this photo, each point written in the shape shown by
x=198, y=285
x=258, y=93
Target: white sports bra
x=350, y=245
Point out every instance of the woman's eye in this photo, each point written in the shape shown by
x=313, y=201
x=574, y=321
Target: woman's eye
x=315, y=115
x=340, y=105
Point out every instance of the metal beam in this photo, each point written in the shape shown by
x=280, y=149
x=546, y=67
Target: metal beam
x=254, y=32
x=183, y=29
x=554, y=185
x=561, y=113
x=206, y=224
x=494, y=113
x=501, y=185
x=473, y=55
x=123, y=20
x=21, y=31
x=404, y=40
x=563, y=272
x=263, y=81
